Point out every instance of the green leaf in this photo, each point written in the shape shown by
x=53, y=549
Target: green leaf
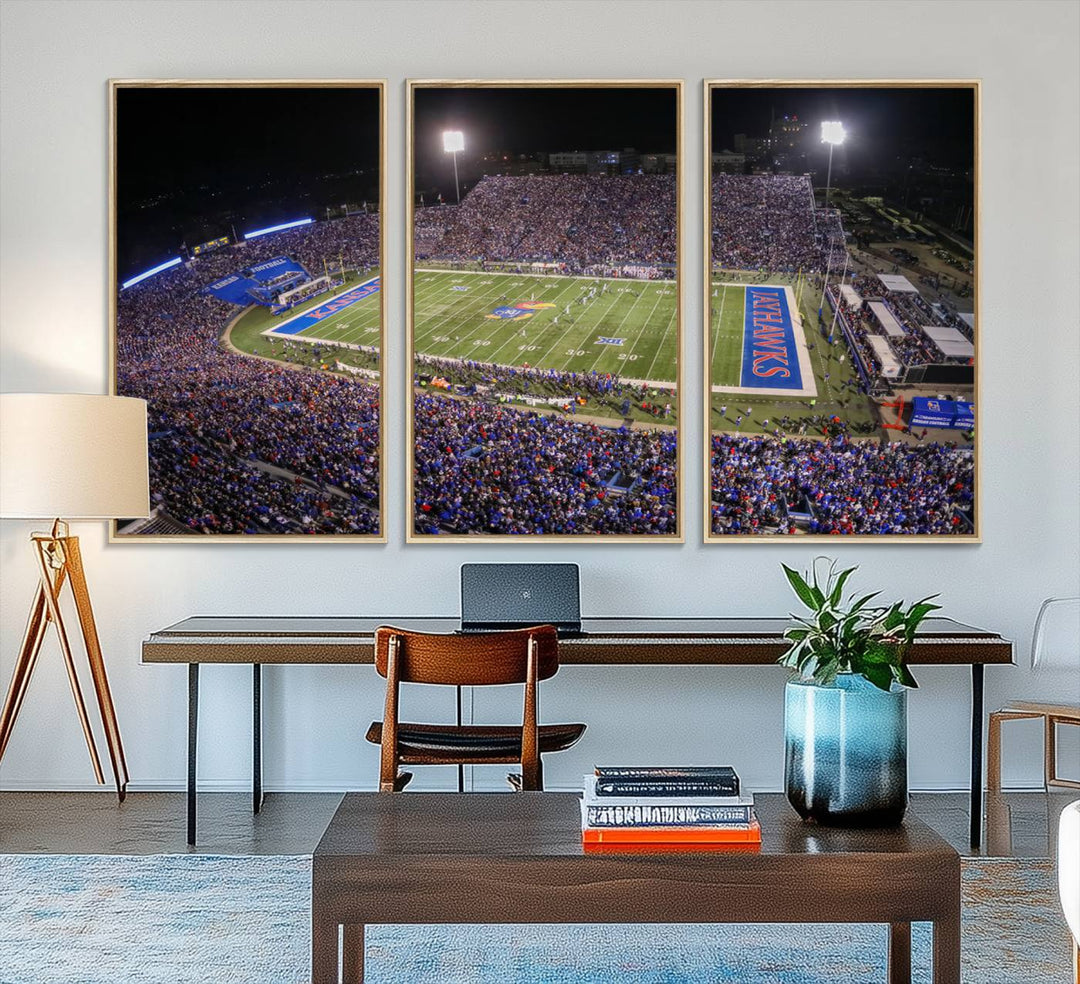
x=838, y=589
x=864, y=600
x=801, y=588
x=880, y=676
x=903, y=675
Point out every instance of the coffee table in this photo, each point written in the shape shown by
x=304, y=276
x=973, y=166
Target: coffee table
x=517, y=858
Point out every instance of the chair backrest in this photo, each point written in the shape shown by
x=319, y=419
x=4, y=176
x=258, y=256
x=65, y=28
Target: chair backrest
x=468, y=660
x=1055, y=643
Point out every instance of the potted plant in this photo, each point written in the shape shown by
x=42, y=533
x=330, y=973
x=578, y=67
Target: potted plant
x=845, y=714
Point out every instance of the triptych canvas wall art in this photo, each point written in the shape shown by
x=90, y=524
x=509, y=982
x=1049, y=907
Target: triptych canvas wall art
x=544, y=318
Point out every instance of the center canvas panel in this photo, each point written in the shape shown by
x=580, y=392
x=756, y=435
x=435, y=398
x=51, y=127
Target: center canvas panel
x=544, y=310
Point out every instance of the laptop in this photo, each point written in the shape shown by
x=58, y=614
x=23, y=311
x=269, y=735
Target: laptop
x=515, y=596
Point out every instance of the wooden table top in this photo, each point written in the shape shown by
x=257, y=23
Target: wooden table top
x=389, y=827
x=607, y=640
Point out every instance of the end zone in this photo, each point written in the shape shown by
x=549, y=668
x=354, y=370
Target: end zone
x=775, y=360
x=320, y=312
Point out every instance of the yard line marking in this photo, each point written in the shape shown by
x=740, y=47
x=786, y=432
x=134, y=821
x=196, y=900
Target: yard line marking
x=670, y=331
x=558, y=341
x=457, y=302
x=716, y=329
x=622, y=321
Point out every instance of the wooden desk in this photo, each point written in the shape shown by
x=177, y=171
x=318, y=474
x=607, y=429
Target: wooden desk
x=260, y=640
x=518, y=858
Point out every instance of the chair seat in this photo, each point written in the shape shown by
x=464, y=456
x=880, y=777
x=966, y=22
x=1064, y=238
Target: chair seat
x=1034, y=707
x=473, y=743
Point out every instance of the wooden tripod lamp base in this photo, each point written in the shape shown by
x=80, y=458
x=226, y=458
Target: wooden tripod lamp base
x=59, y=561
x=85, y=457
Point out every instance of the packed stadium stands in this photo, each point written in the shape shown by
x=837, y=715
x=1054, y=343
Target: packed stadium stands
x=769, y=222
x=838, y=485
x=242, y=445
x=877, y=322
x=488, y=469
x=579, y=221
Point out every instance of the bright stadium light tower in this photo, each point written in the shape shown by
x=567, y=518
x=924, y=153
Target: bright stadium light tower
x=453, y=141
x=832, y=133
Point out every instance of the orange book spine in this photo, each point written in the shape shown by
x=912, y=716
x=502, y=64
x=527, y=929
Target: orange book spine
x=750, y=834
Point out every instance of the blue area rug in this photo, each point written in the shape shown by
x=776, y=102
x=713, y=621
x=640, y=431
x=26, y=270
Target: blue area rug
x=246, y=920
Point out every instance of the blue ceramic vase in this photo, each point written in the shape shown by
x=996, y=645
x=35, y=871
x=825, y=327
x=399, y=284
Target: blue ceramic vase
x=846, y=751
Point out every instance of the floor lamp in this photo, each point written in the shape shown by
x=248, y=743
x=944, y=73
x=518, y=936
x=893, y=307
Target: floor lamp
x=77, y=457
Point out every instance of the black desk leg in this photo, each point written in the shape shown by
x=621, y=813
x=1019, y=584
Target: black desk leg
x=256, y=738
x=192, y=747
x=976, y=753
x=461, y=767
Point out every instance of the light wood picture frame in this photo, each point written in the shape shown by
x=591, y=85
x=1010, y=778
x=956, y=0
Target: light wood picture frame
x=502, y=453
x=246, y=304
x=802, y=219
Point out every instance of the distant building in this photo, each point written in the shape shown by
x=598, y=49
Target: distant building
x=658, y=163
x=625, y=161
x=788, y=145
x=787, y=134
x=753, y=147
x=568, y=162
x=728, y=162
x=515, y=164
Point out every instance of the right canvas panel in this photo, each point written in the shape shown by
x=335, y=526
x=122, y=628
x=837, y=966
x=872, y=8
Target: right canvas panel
x=841, y=348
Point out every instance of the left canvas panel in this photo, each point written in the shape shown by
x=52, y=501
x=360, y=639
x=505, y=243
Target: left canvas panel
x=246, y=251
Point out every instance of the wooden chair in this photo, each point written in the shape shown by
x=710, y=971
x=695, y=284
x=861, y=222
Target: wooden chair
x=486, y=659
x=1055, y=644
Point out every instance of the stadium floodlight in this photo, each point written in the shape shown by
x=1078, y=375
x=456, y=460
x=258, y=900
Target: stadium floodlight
x=453, y=141
x=175, y=261
x=832, y=133
x=277, y=228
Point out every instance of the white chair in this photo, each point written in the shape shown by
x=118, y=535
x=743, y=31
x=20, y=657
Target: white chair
x=1069, y=875
x=1055, y=645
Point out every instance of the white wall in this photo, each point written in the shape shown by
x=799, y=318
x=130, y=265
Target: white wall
x=55, y=60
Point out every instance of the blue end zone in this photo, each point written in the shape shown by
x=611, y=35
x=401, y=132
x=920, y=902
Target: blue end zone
x=304, y=321
x=770, y=359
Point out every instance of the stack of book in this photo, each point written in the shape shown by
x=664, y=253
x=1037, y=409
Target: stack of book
x=681, y=806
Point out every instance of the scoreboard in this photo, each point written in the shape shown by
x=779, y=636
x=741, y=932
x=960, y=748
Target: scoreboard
x=210, y=246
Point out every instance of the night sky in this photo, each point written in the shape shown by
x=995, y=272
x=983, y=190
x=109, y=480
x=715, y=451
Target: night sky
x=531, y=120
x=882, y=124
x=191, y=163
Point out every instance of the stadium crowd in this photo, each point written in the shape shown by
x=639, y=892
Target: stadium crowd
x=578, y=221
x=911, y=311
x=242, y=445
x=845, y=486
x=353, y=240
x=769, y=222
x=487, y=469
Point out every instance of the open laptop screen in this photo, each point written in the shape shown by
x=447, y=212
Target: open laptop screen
x=516, y=595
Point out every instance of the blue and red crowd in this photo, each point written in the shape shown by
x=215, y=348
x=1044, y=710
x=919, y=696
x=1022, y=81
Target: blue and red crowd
x=243, y=445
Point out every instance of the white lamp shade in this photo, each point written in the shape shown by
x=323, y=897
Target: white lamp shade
x=453, y=141
x=73, y=456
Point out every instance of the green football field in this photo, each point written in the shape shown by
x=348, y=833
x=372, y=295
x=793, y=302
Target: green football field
x=627, y=327
x=727, y=302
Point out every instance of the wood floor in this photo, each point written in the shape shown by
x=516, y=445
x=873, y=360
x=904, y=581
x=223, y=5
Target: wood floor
x=1021, y=824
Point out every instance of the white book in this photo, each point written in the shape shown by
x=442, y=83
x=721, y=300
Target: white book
x=591, y=799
